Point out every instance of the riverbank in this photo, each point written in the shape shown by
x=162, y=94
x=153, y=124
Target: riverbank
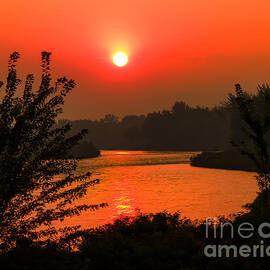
x=85, y=150
x=229, y=160
x=155, y=242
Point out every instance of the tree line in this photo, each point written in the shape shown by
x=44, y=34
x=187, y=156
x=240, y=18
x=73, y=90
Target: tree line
x=183, y=128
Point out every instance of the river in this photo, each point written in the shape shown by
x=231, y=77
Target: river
x=152, y=181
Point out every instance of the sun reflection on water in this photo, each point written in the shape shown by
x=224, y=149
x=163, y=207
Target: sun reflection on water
x=128, y=183
x=122, y=153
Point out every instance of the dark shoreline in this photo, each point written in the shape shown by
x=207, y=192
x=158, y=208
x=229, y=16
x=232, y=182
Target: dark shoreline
x=228, y=160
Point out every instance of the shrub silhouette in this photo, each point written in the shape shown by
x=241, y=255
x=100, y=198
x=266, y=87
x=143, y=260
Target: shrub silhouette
x=254, y=111
x=32, y=154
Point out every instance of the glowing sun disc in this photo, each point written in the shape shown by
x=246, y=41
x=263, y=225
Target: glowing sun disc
x=120, y=59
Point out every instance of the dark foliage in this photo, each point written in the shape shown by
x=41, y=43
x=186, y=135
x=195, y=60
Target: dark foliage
x=32, y=154
x=254, y=124
x=182, y=128
x=155, y=242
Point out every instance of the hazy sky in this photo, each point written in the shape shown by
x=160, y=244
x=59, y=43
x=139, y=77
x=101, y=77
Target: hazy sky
x=193, y=50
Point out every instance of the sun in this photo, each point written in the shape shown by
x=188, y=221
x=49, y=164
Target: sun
x=120, y=59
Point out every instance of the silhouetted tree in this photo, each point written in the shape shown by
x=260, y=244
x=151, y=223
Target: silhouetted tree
x=32, y=154
x=254, y=111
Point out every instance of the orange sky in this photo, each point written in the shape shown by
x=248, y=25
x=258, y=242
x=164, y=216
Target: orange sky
x=191, y=50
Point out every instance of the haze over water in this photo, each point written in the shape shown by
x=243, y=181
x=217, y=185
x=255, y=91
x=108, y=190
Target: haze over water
x=157, y=181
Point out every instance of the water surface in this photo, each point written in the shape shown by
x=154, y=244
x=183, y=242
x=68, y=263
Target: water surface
x=133, y=181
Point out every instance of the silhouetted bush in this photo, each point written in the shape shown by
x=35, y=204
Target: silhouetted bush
x=152, y=241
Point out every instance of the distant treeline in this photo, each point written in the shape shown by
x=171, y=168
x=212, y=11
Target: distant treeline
x=183, y=128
